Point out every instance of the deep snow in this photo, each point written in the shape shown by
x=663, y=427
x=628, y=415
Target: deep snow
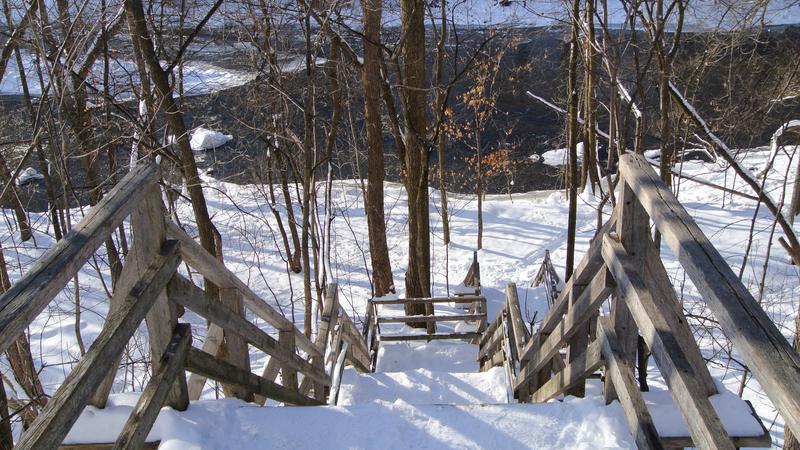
x=517, y=231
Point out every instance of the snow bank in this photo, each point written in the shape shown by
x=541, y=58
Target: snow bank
x=29, y=175
x=205, y=139
x=560, y=157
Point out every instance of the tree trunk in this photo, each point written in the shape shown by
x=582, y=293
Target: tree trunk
x=378, y=249
x=572, y=138
x=174, y=116
x=416, y=152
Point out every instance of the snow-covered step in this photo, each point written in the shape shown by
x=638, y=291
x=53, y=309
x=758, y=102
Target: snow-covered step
x=439, y=356
x=233, y=424
x=423, y=386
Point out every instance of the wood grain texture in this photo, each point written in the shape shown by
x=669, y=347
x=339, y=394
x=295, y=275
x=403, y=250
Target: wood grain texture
x=20, y=305
x=186, y=293
x=760, y=344
x=211, y=367
x=202, y=261
x=621, y=373
x=147, y=408
x=657, y=323
x=63, y=409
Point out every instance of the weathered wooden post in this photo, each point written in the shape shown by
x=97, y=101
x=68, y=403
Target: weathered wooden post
x=633, y=231
x=149, y=234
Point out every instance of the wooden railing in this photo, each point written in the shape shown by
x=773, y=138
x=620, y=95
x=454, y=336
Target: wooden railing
x=547, y=275
x=150, y=288
x=471, y=298
x=573, y=341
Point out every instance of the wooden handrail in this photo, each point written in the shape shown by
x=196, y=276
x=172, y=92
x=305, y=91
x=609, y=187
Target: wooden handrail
x=26, y=298
x=202, y=261
x=61, y=412
x=767, y=353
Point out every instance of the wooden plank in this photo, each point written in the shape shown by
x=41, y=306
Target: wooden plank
x=760, y=344
x=660, y=287
x=577, y=345
x=403, y=301
x=639, y=420
x=429, y=337
x=288, y=373
x=453, y=318
x=633, y=229
x=148, y=227
x=577, y=370
x=186, y=293
x=270, y=373
x=493, y=344
x=26, y=298
x=148, y=230
x=211, y=345
x=234, y=348
x=657, y=323
x=518, y=328
x=63, y=409
x=200, y=362
x=144, y=446
x=148, y=406
x=197, y=257
x=582, y=310
x=764, y=440
x=489, y=331
x=591, y=263
x=358, y=352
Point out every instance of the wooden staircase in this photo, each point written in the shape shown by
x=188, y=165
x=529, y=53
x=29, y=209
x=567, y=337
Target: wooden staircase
x=574, y=340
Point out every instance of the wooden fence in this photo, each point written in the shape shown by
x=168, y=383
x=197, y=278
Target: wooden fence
x=623, y=263
x=149, y=289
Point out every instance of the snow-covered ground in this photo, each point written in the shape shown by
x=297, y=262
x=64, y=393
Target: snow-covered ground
x=199, y=77
x=517, y=231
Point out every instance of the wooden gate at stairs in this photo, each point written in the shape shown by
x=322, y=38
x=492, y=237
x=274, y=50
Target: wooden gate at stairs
x=622, y=263
x=149, y=289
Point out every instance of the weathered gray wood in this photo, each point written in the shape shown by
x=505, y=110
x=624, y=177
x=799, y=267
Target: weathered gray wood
x=358, y=352
x=453, y=318
x=61, y=412
x=660, y=287
x=155, y=393
x=214, y=270
x=591, y=263
x=210, y=367
x=764, y=440
x=577, y=371
x=429, y=337
x=288, y=373
x=186, y=293
x=488, y=333
x=211, y=345
x=270, y=373
x=518, y=328
x=494, y=342
x=657, y=323
x=577, y=345
x=403, y=301
x=633, y=230
x=149, y=228
x=26, y=298
x=760, y=344
x=234, y=348
x=639, y=420
x=581, y=311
